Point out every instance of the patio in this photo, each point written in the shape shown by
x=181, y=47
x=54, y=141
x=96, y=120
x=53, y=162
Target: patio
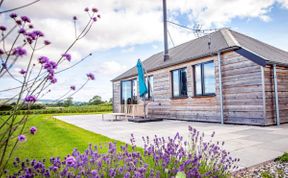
x=253, y=145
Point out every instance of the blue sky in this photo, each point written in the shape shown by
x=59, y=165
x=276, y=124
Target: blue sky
x=135, y=31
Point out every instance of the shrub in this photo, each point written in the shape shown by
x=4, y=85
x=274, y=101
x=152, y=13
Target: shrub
x=161, y=158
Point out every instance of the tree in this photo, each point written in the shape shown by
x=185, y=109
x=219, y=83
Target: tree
x=68, y=101
x=95, y=100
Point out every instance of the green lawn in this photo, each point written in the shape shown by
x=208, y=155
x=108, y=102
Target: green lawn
x=56, y=138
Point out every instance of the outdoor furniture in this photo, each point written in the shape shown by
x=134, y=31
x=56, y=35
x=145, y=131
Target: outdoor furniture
x=125, y=110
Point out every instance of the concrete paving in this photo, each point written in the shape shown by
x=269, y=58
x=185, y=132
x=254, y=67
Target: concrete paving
x=253, y=145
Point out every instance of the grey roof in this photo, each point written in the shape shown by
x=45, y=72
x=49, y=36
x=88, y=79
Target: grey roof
x=197, y=48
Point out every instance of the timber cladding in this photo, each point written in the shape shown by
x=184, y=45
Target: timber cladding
x=242, y=90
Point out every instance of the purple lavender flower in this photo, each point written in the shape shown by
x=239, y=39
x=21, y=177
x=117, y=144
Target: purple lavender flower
x=70, y=161
x=67, y=56
x=72, y=87
x=22, y=30
x=90, y=76
x=95, y=10
x=46, y=42
x=25, y=19
x=19, y=51
x=22, y=71
x=94, y=172
x=21, y=138
x=3, y=28
x=33, y=130
x=30, y=99
x=43, y=59
x=13, y=15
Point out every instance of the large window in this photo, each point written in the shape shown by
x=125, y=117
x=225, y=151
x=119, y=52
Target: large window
x=129, y=92
x=204, y=79
x=179, y=83
x=150, y=85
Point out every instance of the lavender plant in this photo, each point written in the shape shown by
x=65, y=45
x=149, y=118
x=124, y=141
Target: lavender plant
x=20, y=43
x=162, y=157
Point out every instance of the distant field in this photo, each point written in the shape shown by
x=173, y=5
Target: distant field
x=69, y=109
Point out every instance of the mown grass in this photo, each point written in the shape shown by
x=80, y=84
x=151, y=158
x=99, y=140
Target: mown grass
x=56, y=138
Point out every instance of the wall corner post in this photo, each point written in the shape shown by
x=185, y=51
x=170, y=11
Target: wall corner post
x=276, y=94
x=220, y=87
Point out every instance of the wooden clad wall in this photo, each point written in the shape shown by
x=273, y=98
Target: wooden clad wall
x=282, y=78
x=242, y=93
x=242, y=90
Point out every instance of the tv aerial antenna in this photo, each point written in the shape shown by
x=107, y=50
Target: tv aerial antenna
x=197, y=29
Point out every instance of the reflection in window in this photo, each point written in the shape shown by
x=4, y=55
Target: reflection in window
x=204, y=75
x=129, y=92
x=179, y=83
x=149, y=84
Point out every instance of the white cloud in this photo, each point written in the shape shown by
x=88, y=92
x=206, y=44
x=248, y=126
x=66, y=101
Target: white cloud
x=110, y=68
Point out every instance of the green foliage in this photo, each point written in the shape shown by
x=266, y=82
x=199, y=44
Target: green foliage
x=283, y=158
x=70, y=109
x=180, y=175
x=96, y=100
x=266, y=174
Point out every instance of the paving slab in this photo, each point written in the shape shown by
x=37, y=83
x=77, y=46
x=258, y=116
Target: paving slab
x=252, y=144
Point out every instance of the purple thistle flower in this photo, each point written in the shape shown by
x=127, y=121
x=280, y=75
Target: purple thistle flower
x=72, y=87
x=67, y=56
x=21, y=138
x=94, y=19
x=13, y=15
x=18, y=22
x=46, y=42
x=1, y=52
x=22, y=71
x=90, y=76
x=70, y=161
x=95, y=10
x=74, y=18
x=43, y=59
x=22, y=30
x=53, y=80
x=25, y=19
x=38, y=33
x=3, y=28
x=99, y=16
x=30, y=99
x=86, y=9
x=33, y=130
x=30, y=26
x=19, y=51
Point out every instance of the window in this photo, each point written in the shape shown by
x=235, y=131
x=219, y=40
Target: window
x=179, y=83
x=129, y=92
x=150, y=85
x=204, y=79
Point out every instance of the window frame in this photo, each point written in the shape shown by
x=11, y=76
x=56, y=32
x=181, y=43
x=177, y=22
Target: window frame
x=133, y=101
x=202, y=79
x=180, y=83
